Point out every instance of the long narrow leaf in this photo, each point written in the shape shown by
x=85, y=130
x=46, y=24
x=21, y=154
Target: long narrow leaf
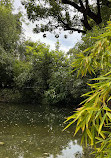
x=101, y=123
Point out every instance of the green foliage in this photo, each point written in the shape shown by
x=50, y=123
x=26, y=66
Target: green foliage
x=10, y=69
x=67, y=15
x=6, y=77
x=31, y=67
x=94, y=117
x=43, y=74
x=7, y=3
x=10, y=95
x=64, y=87
x=86, y=41
x=44, y=66
x=96, y=57
x=10, y=28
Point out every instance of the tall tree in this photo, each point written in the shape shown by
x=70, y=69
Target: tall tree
x=10, y=26
x=72, y=15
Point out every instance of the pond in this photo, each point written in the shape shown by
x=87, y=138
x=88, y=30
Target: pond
x=35, y=131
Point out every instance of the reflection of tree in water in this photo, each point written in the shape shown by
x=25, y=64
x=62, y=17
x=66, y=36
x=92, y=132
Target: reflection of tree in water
x=32, y=132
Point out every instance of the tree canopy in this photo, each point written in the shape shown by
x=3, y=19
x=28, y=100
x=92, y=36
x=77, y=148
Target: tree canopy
x=71, y=15
x=10, y=26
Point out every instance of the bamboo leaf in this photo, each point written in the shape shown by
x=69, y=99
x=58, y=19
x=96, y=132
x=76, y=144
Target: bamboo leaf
x=101, y=133
x=88, y=119
x=101, y=123
x=107, y=73
x=93, y=96
x=69, y=125
x=86, y=138
x=108, y=114
x=77, y=129
x=98, y=113
x=90, y=135
x=82, y=139
x=100, y=139
x=109, y=99
x=86, y=50
x=106, y=108
x=70, y=117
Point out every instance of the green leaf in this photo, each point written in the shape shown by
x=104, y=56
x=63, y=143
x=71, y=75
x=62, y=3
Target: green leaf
x=108, y=114
x=88, y=118
x=77, y=129
x=98, y=113
x=69, y=125
x=101, y=123
x=109, y=99
x=86, y=50
x=90, y=135
x=106, y=108
x=100, y=139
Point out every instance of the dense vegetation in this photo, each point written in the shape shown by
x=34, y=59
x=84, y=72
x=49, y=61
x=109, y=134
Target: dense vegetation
x=31, y=72
x=94, y=116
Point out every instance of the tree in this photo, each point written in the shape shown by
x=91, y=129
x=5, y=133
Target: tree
x=72, y=15
x=46, y=75
x=10, y=26
x=10, y=30
x=33, y=80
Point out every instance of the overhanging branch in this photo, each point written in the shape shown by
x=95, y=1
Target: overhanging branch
x=74, y=29
x=98, y=6
x=72, y=4
x=87, y=4
x=67, y=27
x=81, y=3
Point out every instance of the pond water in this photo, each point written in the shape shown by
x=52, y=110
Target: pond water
x=35, y=131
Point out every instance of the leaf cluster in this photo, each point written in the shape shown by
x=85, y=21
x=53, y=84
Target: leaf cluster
x=94, y=117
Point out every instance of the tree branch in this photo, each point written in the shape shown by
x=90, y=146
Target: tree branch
x=96, y=17
x=72, y=4
x=98, y=7
x=67, y=27
x=74, y=29
x=85, y=22
x=81, y=3
x=87, y=4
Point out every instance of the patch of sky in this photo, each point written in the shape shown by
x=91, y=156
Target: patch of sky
x=65, y=43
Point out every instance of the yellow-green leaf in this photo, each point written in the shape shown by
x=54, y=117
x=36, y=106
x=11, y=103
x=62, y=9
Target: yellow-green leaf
x=108, y=114
x=102, y=122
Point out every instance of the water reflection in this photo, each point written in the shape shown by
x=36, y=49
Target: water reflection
x=36, y=132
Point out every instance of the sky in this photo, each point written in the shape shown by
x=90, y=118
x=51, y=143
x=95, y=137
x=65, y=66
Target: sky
x=65, y=43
